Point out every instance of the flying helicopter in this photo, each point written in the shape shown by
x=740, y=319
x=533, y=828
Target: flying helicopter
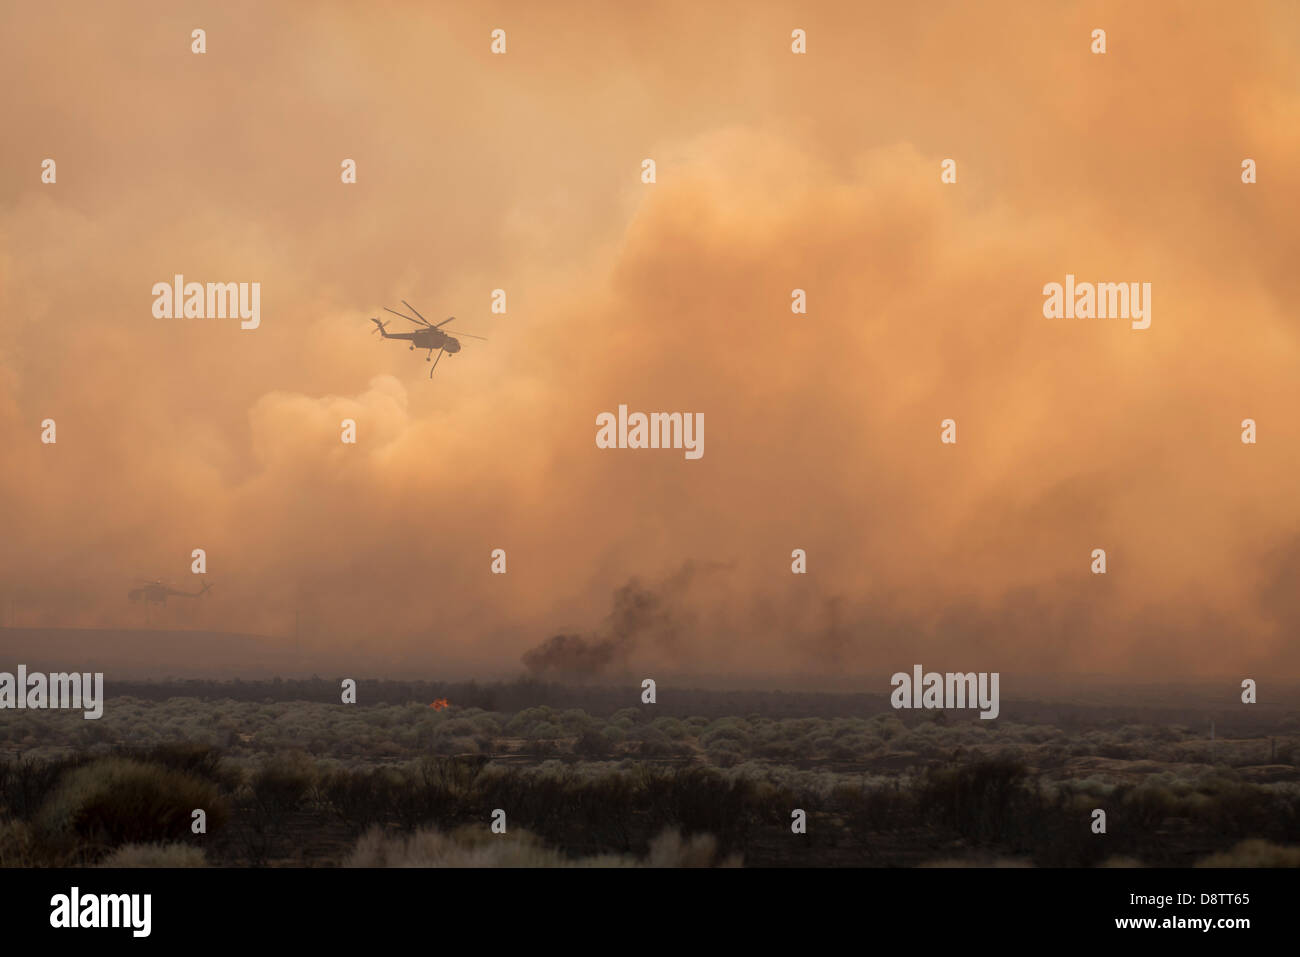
x=426, y=335
x=156, y=590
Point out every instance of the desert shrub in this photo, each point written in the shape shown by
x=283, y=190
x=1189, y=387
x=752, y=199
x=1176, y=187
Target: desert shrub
x=540, y=801
x=725, y=757
x=648, y=733
x=431, y=848
x=434, y=789
x=603, y=810
x=486, y=724
x=1254, y=853
x=820, y=744
x=888, y=727
x=116, y=801
x=798, y=727
x=362, y=798
x=1049, y=756
x=662, y=749
x=277, y=789
x=980, y=800
x=1118, y=750
x=777, y=750
x=651, y=742
x=18, y=847
x=872, y=810
x=727, y=737
x=978, y=860
x=477, y=847
x=454, y=777
x=670, y=849
x=1234, y=810
x=196, y=758
x=439, y=789
x=453, y=746
x=1038, y=734
x=700, y=800
x=574, y=720
x=455, y=728
x=672, y=727
x=155, y=855
x=1147, y=807
x=593, y=744
x=851, y=747
x=27, y=782
x=521, y=725
x=282, y=784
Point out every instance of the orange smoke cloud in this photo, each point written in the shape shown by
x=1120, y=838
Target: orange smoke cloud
x=775, y=172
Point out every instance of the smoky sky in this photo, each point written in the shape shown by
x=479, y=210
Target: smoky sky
x=774, y=172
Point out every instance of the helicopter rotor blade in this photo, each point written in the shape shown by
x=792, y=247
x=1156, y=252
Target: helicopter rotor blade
x=465, y=335
x=404, y=316
x=444, y=322
x=416, y=311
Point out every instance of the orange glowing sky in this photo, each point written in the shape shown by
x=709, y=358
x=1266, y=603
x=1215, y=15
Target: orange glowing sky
x=775, y=171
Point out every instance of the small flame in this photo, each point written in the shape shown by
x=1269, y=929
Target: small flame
x=440, y=704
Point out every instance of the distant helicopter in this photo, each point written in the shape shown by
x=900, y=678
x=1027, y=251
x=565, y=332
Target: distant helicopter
x=156, y=591
x=427, y=336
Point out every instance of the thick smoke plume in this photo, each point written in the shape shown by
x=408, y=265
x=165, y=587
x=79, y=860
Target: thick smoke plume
x=641, y=615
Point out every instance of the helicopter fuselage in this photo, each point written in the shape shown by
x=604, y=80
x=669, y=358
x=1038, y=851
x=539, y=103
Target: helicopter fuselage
x=426, y=339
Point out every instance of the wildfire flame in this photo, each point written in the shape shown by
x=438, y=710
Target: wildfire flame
x=440, y=704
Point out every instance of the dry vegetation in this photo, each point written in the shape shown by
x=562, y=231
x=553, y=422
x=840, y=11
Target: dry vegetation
x=400, y=784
